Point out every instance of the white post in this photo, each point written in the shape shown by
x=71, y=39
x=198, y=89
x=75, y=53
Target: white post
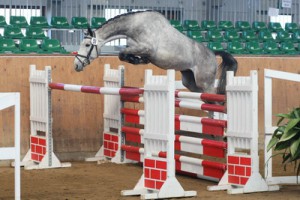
x=8, y=153
x=41, y=121
x=269, y=128
x=159, y=97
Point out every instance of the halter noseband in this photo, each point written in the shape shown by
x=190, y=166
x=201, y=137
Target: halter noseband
x=94, y=43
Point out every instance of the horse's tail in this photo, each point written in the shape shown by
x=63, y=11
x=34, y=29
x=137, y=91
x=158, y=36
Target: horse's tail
x=229, y=63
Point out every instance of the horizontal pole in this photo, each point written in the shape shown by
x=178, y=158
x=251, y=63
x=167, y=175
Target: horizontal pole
x=96, y=90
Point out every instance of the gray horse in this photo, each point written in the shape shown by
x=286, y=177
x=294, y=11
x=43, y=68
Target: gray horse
x=152, y=39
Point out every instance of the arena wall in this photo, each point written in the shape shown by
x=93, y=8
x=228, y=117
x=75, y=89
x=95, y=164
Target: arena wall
x=77, y=117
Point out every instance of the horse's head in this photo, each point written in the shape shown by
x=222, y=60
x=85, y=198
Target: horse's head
x=87, y=52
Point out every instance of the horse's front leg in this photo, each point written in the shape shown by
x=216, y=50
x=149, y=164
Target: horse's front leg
x=135, y=53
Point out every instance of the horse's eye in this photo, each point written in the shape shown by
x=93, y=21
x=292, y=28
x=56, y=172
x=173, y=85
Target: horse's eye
x=87, y=45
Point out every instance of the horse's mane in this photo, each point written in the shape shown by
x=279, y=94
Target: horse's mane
x=123, y=15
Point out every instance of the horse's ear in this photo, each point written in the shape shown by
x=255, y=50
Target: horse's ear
x=90, y=31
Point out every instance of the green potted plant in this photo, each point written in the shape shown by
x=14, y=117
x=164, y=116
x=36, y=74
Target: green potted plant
x=286, y=138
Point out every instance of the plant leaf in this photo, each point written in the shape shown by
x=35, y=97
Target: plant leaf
x=272, y=143
x=281, y=145
x=288, y=134
x=295, y=147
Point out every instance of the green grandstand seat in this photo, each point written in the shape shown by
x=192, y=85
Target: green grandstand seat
x=275, y=26
x=35, y=33
x=13, y=33
x=176, y=24
x=225, y=25
x=291, y=27
x=242, y=25
x=39, y=21
x=248, y=35
x=80, y=22
x=235, y=47
x=231, y=35
x=208, y=25
x=28, y=46
x=214, y=36
x=50, y=46
x=96, y=22
x=191, y=25
x=215, y=46
x=259, y=26
x=60, y=23
x=2, y=21
x=296, y=36
x=265, y=35
x=253, y=47
x=8, y=46
x=271, y=47
x=195, y=35
x=283, y=36
x=18, y=21
x=288, y=48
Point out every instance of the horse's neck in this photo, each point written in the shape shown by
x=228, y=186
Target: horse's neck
x=114, y=29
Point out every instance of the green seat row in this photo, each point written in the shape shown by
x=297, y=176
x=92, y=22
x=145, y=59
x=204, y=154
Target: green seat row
x=56, y=22
x=48, y=46
x=254, y=47
x=31, y=32
x=246, y=35
x=193, y=25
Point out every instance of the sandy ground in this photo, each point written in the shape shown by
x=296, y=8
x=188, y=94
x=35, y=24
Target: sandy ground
x=89, y=181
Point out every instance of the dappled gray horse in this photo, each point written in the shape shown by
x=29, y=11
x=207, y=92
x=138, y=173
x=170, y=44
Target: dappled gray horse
x=152, y=39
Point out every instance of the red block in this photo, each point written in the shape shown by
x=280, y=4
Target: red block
x=41, y=157
x=161, y=164
x=245, y=161
x=105, y=144
x=34, y=157
x=149, y=163
x=107, y=153
x=107, y=137
x=42, y=142
x=116, y=146
x=155, y=174
x=111, y=145
x=233, y=179
x=149, y=183
x=33, y=148
x=240, y=170
x=233, y=159
x=163, y=175
x=159, y=184
x=34, y=140
x=147, y=172
x=39, y=149
x=248, y=171
x=44, y=150
x=114, y=138
x=230, y=169
x=244, y=180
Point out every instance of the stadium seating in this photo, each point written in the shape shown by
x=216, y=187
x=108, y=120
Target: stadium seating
x=225, y=25
x=35, y=33
x=215, y=46
x=2, y=22
x=28, y=46
x=96, y=22
x=18, y=21
x=235, y=47
x=208, y=25
x=191, y=25
x=60, y=23
x=231, y=35
x=196, y=35
x=8, y=46
x=80, y=22
x=52, y=46
x=242, y=25
x=13, y=33
x=39, y=21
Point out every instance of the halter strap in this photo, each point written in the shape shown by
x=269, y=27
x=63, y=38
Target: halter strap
x=87, y=57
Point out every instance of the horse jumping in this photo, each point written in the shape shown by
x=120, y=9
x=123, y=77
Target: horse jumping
x=152, y=39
